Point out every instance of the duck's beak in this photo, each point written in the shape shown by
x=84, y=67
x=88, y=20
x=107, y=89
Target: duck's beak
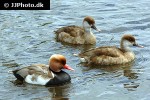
x=137, y=45
x=94, y=27
x=68, y=67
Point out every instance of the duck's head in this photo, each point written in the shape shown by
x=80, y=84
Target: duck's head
x=129, y=40
x=57, y=62
x=89, y=23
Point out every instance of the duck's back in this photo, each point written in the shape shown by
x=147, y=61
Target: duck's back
x=71, y=34
x=72, y=30
x=109, y=55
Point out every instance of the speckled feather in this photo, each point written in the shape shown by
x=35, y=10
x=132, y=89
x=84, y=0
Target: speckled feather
x=109, y=55
x=73, y=30
x=35, y=70
x=77, y=35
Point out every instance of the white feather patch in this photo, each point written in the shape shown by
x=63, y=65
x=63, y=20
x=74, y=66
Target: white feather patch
x=83, y=60
x=37, y=79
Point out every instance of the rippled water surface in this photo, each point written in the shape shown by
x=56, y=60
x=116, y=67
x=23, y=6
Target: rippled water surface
x=27, y=37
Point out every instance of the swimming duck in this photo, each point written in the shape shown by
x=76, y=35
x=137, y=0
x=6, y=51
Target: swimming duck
x=78, y=35
x=111, y=55
x=47, y=75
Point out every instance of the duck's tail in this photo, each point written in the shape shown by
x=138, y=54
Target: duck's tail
x=75, y=54
x=10, y=72
x=83, y=60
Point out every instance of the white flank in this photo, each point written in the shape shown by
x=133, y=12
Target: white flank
x=37, y=79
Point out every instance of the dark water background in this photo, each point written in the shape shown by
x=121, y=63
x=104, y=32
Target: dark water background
x=27, y=37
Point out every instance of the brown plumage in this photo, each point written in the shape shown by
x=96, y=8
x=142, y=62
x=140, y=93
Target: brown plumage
x=111, y=55
x=37, y=69
x=90, y=20
x=78, y=35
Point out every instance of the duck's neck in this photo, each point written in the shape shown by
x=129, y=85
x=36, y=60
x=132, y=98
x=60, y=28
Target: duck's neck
x=87, y=28
x=124, y=45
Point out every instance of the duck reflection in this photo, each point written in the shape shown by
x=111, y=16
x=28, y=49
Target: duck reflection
x=59, y=92
x=132, y=76
x=130, y=82
x=81, y=48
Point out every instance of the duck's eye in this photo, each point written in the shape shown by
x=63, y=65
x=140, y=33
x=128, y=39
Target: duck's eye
x=131, y=40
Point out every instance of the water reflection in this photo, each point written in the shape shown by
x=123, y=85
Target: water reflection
x=132, y=77
x=79, y=47
x=59, y=92
x=27, y=37
x=126, y=73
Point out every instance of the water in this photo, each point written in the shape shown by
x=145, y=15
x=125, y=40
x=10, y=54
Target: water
x=27, y=37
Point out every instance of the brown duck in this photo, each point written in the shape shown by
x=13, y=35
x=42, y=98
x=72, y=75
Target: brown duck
x=111, y=55
x=78, y=35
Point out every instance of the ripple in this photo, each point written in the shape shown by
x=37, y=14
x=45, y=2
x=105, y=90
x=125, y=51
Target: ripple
x=110, y=5
x=119, y=29
x=105, y=10
x=133, y=22
x=106, y=93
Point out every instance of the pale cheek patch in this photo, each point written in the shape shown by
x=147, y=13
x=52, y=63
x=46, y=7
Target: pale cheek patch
x=127, y=43
x=86, y=24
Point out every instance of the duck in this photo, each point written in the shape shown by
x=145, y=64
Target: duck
x=76, y=34
x=42, y=74
x=111, y=55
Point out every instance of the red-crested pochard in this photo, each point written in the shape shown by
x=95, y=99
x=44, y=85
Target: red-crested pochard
x=47, y=75
x=111, y=55
x=78, y=35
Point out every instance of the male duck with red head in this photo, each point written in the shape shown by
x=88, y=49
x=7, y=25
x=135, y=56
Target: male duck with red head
x=76, y=34
x=48, y=75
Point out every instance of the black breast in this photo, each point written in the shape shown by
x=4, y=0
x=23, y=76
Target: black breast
x=19, y=77
x=59, y=79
